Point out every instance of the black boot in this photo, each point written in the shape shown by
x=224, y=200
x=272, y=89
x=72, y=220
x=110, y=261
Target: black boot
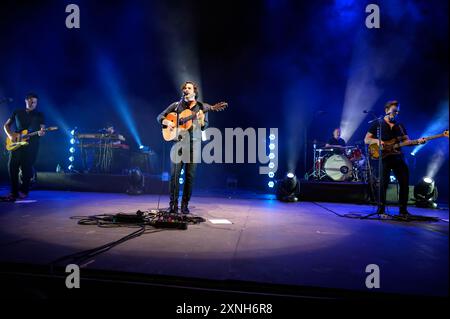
x=184, y=208
x=381, y=210
x=173, y=208
x=404, y=214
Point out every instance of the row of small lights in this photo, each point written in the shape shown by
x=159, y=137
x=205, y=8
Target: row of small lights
x=71, y=150
x=271, y=174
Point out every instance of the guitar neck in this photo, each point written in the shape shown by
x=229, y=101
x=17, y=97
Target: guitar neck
x=416, y=142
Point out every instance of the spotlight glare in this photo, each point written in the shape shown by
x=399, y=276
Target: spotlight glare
x=141, y=147
x=70, y=167
x=72, y=150
x=271, y=184
x=290, y=175
x=71, y=159
x=181, y=180
x=271, y=174
x=428, y=180
x=72, y=132
x=72, y=141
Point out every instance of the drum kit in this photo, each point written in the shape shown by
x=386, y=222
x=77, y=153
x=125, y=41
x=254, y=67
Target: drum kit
x=339, y=164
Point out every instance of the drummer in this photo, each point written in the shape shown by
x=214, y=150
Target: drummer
x=336, y=141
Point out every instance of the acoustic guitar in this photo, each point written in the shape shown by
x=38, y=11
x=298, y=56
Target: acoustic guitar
x=185, y=121
x=24, y=136
x=393, y=146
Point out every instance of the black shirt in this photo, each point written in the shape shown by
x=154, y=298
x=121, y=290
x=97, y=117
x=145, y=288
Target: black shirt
x=30, y=121
x=333, y=141
x=388, y=133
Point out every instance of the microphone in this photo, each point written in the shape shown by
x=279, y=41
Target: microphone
x=6, y=100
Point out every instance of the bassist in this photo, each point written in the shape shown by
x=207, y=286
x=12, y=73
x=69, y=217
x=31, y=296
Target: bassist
x=391, y=129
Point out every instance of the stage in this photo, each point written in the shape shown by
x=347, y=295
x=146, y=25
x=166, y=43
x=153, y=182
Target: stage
x=304, y=244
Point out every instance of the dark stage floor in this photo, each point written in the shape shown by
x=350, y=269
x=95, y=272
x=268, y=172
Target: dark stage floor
x=268, y=241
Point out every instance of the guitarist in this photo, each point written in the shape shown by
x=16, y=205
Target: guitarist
x=189, y=101
x=24, y=157
x=391, y=129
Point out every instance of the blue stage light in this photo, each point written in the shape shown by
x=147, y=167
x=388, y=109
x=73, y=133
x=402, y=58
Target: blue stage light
x=70, y=167
x=271, y=184
x=72, y=141
x=72, y=132
x=271, y=155
x=271, y=165
x=72, y=150
x=271, y=174
x=181, y=180
x=71, y=159
x=271, y=146
x=271, y=137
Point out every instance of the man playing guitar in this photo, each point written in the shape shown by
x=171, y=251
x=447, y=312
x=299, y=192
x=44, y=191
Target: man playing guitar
x=189, y=101
x=23, y=158
x=391, y=129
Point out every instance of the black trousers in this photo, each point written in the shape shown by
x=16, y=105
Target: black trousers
x=397, y=164
x=22, y=159
x=188, y=177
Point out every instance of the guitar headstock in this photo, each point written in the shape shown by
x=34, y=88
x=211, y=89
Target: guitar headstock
x=445, y=133
x=219, y=106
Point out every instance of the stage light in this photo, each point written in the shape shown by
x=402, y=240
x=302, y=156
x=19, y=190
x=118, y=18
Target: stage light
x=271, y=156
x=271, y=184
x=181, y=180
x=136, y=182
x=111, y=85
x=426, y=193
x=72, y=150
x=71, y=159
x=70, y=167
x=141, y=147
x=271, y=165
x=271, y=146
x=437, y=125
x=288, y=189
x=271, y=137
x=271, y=174
x=72, y=141
x=182, y=171
x=72, y=132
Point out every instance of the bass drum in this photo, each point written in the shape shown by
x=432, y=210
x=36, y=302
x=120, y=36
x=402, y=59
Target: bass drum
x=338, y=168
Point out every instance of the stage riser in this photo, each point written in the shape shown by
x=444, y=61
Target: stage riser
x=95, y=183
x=345, y=192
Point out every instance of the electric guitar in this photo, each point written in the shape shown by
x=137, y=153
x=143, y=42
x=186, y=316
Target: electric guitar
x=24, y=136
x=185, y=120
x=393, y=146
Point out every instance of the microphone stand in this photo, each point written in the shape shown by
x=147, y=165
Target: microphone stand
x=379, y=120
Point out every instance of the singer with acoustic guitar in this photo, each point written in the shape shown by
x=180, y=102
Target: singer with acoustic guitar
x=23, y=158
x=191, y=115
x=392, y=130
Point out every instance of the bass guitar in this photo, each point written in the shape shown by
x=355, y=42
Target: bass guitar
x=393, y=146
